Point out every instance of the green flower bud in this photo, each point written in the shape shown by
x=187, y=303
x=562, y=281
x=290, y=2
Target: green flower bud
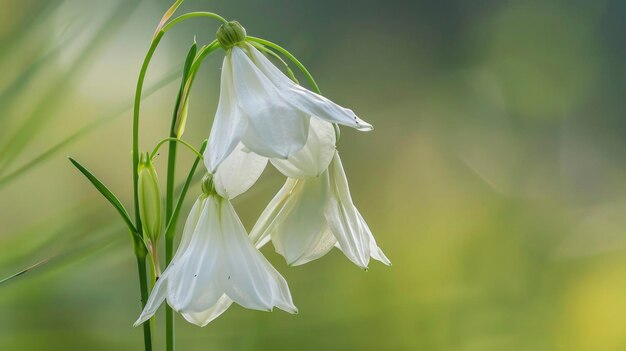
x=149, y=198
x=230, y=34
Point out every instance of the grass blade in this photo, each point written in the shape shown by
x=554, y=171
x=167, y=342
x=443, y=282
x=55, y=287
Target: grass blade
x=107, y=194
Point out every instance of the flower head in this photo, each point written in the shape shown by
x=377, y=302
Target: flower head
x=261, y=108
x=216, y=263
x=308, y=217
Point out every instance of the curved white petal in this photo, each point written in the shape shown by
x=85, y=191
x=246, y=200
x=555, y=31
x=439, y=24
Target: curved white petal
x=248, y=278
x=301, y=222
x=160, y=290
x=314, y=157
x=375, y=251
x=306, y=100
x=275, y=128
x=193, y=286
x=239, y=171
x=205, y=317
x=344, y=220
x=260, y=233
x=229, y=124
x=295, y=221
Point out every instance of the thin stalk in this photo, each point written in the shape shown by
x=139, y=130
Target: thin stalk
x=191, y=15
x=173, y=139
x=143, y=289
x=141, y=261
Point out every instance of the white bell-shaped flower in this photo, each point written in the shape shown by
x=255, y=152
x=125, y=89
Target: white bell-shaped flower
x=308, y=217
x=261, y=108
x=216, y=264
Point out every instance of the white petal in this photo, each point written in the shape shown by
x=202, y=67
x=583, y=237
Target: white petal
x=193, y=286
x=248, y=278
x=295, y=221
x=205, y=317
x=344, y=220
x=229, y=124
x=275, y=128
x=314, y=157
x=157, y=296
x=239, y=171
x=375, y=251
x=260, y=233
x=159, y=292
x=300, y=224
x=305, y=100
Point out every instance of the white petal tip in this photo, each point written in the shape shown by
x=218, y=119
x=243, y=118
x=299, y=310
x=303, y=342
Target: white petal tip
x=364, y=127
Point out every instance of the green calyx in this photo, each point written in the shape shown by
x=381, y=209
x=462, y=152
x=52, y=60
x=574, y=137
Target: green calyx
x=230, y=34
x=207, y=185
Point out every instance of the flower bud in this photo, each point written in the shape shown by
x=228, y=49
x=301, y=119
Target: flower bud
x=149, y=198
x=231, y=33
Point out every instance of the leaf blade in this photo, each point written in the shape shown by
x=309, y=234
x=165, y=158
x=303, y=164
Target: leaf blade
x=107, y=194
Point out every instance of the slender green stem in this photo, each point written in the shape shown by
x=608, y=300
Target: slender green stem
x=171, y=224
x=143, y=288
x=156, y=148
x=191, y=15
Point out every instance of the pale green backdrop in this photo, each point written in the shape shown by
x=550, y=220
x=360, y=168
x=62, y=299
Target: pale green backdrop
x=495, y=178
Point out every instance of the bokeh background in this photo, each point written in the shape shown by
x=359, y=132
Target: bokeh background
x=495, y=179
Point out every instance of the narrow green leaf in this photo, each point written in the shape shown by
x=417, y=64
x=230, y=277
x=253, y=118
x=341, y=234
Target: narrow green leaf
x=188, y=61
x=25, y=270
x=107, y=194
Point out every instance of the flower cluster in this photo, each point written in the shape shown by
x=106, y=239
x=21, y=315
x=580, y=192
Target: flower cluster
x=263, y=117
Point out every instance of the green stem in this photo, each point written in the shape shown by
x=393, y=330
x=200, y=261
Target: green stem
x=143, y=288
x=191, y=15
x=169, y=239
x=171, y=224
x=174, y=139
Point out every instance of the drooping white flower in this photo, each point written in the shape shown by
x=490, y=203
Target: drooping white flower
x=216, y=264
x=308, y=217
x=263, y=110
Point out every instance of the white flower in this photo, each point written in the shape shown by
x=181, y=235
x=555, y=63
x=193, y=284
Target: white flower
x=307, y=217
x=263, y=110
x=215, y=265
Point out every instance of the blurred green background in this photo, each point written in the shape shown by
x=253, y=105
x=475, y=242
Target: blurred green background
x=495, y=178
